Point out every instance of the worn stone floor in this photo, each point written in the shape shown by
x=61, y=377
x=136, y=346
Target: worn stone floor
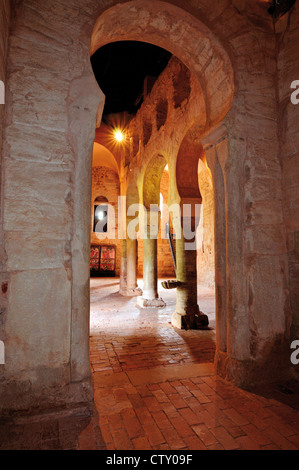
x=155, y=389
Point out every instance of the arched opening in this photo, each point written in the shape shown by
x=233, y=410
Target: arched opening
x=199, y=49
x=105, y=247
x=47, y=140
x=188, y=102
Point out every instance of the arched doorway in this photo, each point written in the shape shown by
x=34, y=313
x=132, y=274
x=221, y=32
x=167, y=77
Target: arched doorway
x=69, y=127
x=206, y=62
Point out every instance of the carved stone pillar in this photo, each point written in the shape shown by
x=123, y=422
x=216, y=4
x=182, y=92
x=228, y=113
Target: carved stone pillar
x=150, y=297
x=132, y=287
x=187, y=314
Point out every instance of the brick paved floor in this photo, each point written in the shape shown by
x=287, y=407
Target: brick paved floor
x=155, y=388
x=125, y=337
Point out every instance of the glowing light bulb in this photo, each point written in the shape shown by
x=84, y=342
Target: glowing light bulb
x=119, y=137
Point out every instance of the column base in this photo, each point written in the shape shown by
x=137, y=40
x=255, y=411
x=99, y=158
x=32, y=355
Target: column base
x=131, y=292
x=274, y=368
x=150, y=303
x=198, y=321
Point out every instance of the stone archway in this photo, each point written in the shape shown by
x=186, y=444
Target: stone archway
x=187, y=38
x=45, y=295
x=175, y=30
x=80, y=107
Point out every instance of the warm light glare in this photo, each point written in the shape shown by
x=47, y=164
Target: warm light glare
x=118, y=136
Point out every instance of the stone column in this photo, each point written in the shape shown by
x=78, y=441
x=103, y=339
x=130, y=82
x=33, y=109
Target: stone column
x=150, y=269
x=220, y=247
x=225, y=156
x=131, y=264
x=132, y=287
x=123, y=268
x=187, y=314
x=230, y=154
x=150, y=297
x=128, y=275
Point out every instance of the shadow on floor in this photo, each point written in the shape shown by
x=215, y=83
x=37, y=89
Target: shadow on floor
x=286, y=393
x=164, y=347
x=201, y=344
x=61, y=430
